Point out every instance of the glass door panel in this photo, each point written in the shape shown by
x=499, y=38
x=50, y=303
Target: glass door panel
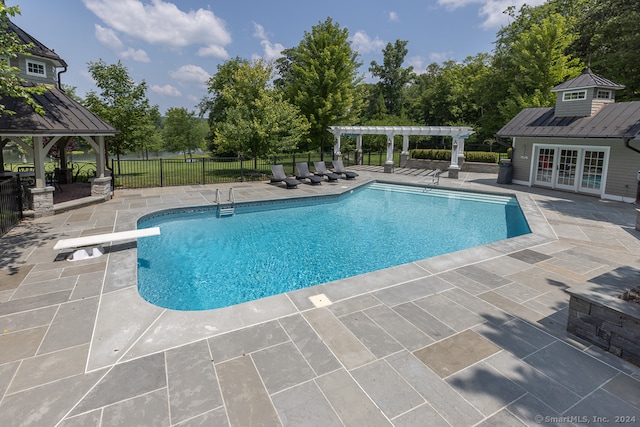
x=567, y=168
x=592, y=168
x=544, y=168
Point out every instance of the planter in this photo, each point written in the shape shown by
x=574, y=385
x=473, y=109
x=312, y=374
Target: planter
x=604, y=312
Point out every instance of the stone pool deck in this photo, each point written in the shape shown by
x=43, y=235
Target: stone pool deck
x=476, y=337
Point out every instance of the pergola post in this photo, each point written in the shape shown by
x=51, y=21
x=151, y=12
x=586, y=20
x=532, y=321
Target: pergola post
x=454, y=168
x=388, y=164
x=337, y=155
x=404, y=155
x=359, y=149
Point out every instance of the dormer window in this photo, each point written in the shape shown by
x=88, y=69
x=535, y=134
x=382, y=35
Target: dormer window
x=35, y=68
x=574, y=95
x=603, y=94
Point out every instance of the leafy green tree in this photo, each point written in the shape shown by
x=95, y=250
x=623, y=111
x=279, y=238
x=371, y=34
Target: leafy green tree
x=393, y=78
x=214, y=104
x=610, y=41
x=12, y=85
x=320, y=76
x=183, y=131
x=257, y=121
x=539, y=58
x=123, y=104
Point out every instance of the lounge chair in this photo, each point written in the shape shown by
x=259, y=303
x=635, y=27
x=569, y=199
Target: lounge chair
x=280, y=176
x=303, y=173
x=321, y=170
x=338, y=167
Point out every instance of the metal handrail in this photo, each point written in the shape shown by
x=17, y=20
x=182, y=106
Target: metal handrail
x=218, y=195
x=232, y=197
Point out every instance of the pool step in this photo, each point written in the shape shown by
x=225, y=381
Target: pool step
x=226, y=210
x=450, y=194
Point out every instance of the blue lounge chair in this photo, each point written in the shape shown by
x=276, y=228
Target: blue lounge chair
x=338, y=167
x=280, y=176
x=321, y=170
x=303, y=173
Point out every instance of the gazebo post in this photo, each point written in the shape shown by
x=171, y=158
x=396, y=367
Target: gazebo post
x=337, y=155
x=41, y=196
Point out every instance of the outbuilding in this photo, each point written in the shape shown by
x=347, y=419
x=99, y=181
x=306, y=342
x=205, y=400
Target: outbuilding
x=587, y=143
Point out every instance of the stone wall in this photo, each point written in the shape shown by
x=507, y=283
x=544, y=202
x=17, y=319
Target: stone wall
x=444, y=165
x=598, y=314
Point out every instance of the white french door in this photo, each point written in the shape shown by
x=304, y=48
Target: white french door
x=580, y=169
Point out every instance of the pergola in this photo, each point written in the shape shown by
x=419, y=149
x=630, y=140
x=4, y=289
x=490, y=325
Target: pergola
x=458, y=133
x=64, y=117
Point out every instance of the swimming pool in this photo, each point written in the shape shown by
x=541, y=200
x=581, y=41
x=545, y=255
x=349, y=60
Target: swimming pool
x=201, y=261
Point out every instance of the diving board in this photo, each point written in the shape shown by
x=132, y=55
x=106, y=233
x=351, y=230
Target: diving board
x=98, y=239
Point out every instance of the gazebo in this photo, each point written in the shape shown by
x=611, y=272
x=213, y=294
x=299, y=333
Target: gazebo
x=64, y=117
x=458, y=133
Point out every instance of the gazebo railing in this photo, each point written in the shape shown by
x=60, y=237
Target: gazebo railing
x=10, y=203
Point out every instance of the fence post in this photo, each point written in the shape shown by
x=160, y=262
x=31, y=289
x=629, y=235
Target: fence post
x=203, y=178
x=161, y=177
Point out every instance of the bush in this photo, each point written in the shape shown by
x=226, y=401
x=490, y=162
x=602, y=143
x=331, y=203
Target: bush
x=469, y=156
x=431, y=154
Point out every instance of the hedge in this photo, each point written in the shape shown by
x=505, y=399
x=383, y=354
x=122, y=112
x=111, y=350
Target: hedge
x=469, y=156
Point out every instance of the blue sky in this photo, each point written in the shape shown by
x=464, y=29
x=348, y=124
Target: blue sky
x=175, y=46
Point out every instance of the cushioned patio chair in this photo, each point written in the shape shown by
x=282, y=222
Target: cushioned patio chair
x=321, y=170
x=338, y=167
x=280, y=176
x=303, y=173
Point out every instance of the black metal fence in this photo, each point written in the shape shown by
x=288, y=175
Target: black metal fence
x=164, y=172
x=10, y=203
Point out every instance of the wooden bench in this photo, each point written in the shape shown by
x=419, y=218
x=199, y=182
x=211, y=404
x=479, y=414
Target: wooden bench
x=88, y=246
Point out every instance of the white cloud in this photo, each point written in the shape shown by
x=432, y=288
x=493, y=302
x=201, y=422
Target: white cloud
x=418, y=64
x=108, y=38
x=213, y=50
x=166, y=90
x=138, y=55
x=393, y=17
x=190, y=74
x=362, y=43
x=492, y=11
x=162, y=23
x=440, y=57
x=272, y=51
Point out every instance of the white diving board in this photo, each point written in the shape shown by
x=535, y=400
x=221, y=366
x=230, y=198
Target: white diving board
x=99, y=239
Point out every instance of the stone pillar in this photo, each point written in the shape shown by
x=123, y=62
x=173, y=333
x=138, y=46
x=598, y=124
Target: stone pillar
x=41, y=200
x=101, y=187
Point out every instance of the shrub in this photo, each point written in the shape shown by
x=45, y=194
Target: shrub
x=469, y=156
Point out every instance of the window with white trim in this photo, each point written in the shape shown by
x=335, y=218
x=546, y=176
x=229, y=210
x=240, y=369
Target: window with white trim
x=35, y=68
x=603, y=94
x=575, y=95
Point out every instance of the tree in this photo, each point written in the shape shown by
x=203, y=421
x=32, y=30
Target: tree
x=183, y=131
x=256, y=121
x=214, y=103
x=538, y=56
x=609, y=40
x=393, y=78
x=12, y=85
x=123, y=104
x=320, y=77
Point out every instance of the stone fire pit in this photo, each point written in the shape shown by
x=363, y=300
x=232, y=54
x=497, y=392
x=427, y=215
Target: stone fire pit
x=604, y=312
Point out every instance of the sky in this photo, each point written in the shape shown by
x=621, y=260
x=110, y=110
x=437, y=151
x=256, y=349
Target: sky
x=176, y=46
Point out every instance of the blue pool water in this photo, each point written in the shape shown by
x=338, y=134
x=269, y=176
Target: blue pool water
x=201, y=261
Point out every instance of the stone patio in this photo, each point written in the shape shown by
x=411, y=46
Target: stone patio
x=477, y=337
